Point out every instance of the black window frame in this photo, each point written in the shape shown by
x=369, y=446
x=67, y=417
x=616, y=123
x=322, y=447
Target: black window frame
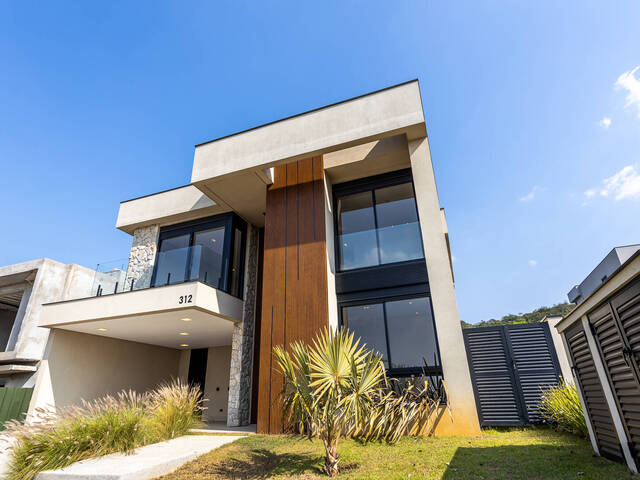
x=371, y=184
x=391, y=295
x=230, y=222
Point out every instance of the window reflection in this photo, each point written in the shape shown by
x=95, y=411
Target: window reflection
x=401, y=330
x=378, y=226
x=206, y=258
x=367, y=322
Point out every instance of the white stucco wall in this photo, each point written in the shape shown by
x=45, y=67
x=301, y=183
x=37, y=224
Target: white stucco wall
x=80, y=366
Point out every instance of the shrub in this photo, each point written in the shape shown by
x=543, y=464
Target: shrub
x=111, y=424
x=337, y=388
x=560, y=405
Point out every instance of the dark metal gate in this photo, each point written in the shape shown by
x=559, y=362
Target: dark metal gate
x=616, y=328
x=593, y=397
x=509, y=366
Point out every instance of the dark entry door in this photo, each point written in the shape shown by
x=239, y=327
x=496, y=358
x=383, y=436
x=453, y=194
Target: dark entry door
x=198, y=367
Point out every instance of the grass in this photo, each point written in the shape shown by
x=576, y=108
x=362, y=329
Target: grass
x=515, y=454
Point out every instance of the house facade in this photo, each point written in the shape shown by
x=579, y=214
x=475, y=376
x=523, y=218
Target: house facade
x=329, y=218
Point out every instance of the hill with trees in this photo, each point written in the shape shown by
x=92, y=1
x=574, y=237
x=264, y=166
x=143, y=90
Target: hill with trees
x=535, y=316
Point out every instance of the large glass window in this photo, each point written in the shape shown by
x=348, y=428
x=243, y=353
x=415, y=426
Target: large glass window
x=401, y=330
x=210, y=251
x=378, y=226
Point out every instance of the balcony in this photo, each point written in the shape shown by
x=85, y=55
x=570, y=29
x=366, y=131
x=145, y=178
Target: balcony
x=180, y=306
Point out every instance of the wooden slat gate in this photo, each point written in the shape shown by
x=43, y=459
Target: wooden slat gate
x=14, y=403
x=616, y=329
x=509, y=366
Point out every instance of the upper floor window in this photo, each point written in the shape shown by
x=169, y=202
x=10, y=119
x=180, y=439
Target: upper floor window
x=377, y=222
x=209, y=250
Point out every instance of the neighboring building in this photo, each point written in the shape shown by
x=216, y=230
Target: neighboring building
x=602, y=340
x=609, y=264
x=327, y=218
x=24, y=287
x=565, y=366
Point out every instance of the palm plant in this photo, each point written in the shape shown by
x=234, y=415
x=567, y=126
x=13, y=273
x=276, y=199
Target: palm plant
x=337, y=388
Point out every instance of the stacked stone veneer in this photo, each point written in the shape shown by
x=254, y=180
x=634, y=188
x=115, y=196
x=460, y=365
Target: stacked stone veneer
x=239, y=408
x=142, y=257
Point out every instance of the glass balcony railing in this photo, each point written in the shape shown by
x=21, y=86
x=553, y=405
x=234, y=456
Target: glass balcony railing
x=110, y=278
x=195, y=263
x=369, y=248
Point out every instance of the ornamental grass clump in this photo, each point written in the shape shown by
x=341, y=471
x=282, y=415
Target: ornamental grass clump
x=560, y=406
x=112, y=424
x=337, y=388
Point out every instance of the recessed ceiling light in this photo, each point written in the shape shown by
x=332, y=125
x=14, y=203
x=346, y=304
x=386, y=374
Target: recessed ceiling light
x=102, y=329
x=184, y=334
x=185, y=319
x=184, y=344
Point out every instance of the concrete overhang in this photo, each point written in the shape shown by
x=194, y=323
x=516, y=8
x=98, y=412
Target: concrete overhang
x=166, y=208
x=15, y=369
x=625, y=274
x=235, y=170
x=154, y=316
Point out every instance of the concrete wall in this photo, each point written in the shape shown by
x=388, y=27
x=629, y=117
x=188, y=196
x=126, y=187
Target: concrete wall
x=455, y=367
x=47, y=281
x=81, y=366
x=565, y=366
x=216, y=384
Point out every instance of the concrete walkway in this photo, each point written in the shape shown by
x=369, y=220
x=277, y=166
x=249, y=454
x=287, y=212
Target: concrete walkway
x=222, y=428
x=146, y=463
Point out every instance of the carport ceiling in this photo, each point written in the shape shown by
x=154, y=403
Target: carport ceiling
x=165, y=329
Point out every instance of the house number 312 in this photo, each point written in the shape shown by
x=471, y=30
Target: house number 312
x=185, y=299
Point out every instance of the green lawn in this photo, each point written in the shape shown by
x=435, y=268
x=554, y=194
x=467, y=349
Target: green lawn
x=532, y=453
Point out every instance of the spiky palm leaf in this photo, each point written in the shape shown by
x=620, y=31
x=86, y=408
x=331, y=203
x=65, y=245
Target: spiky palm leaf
x=337, y=388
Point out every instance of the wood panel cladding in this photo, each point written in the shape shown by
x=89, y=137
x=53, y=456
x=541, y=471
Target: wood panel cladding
x=294, y=287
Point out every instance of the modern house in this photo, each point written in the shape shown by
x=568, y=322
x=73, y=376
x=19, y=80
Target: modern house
x=324, y=219
x=601, y=338
x=24, y=287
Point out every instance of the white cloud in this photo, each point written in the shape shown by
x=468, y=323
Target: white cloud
x=533, y=263
x=531, y=195
x=605, y=123
x=454, y=259
x=621, y=185
x=631, y=84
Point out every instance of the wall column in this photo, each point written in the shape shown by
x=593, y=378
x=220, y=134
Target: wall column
x=238, y=410
x=453, y=357
x=142, y=257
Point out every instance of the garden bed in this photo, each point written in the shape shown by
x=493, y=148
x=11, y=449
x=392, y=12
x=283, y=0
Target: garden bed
x=532, y=453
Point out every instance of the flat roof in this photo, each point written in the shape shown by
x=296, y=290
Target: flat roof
x=309, y=111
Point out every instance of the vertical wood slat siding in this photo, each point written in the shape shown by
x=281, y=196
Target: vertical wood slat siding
x=615, y=327
x=592, y=393
x=294, y=292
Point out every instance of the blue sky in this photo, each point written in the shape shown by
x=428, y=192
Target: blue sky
x=101, y=102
